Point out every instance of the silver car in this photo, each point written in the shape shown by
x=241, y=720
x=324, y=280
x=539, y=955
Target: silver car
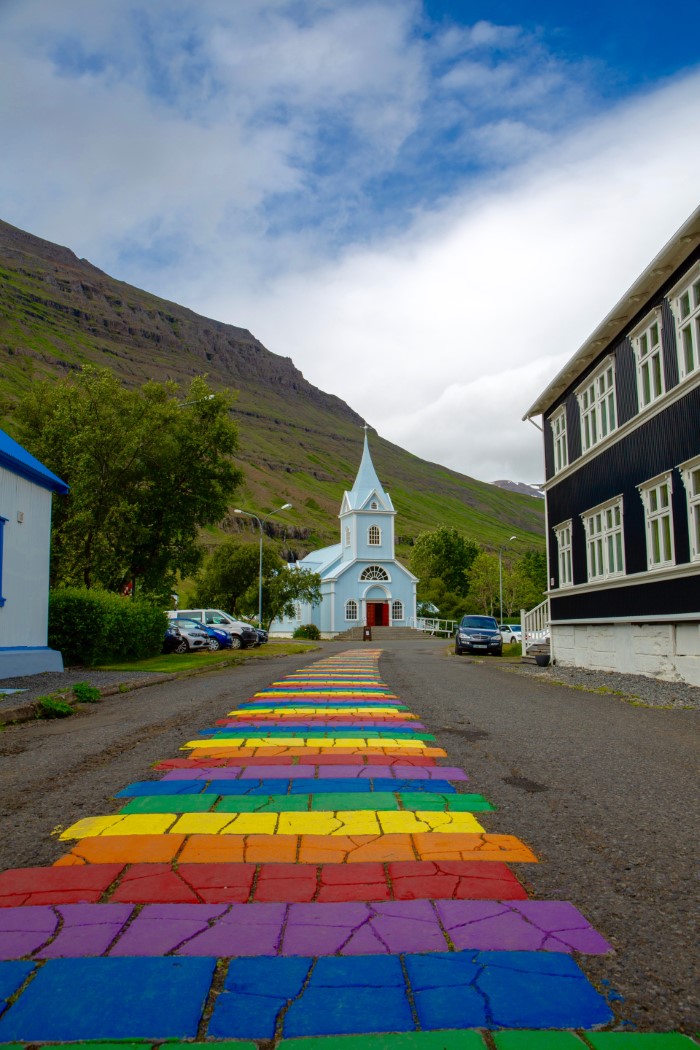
x=191, y=637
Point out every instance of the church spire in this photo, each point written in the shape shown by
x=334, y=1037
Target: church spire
x=367, y=483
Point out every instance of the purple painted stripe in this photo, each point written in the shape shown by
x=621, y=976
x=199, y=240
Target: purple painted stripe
x=398, y=772
x=386, y=928
x=324, y=773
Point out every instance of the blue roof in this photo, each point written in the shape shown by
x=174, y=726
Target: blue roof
x=322, y=560
x=17, y=460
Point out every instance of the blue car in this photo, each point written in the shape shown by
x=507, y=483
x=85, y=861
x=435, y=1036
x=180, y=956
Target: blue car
x=217, y=639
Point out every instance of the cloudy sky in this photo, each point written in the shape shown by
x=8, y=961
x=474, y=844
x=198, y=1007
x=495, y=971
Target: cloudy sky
x=427, y=205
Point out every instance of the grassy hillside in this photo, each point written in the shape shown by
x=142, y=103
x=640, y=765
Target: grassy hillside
x=297, y=443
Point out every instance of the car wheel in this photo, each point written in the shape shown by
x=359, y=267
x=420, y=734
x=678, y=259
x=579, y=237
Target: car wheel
x=499, y=653
x=214, y=644
x=458, y=651
x=181, y=647
x=236, y=641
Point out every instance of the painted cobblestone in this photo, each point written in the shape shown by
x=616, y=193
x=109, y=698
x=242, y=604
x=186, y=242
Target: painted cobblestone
x=307, y=849
x=217, y=883
x=311, y=843
x=315, y=929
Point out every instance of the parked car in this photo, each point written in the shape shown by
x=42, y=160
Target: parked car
x=242, y=634
x=217, y=639
x=262, y=635
x=511, y=632
x=183, y=639
x=478, y=634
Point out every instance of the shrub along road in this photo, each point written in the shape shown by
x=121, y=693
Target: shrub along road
x=603, y=792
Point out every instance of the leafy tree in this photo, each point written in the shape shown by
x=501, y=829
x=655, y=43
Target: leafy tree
x=231, y=573
x=483, y=580
x=444, y=554
x=519, y=591
x=146, y=469
x=451, y=605
x=283, y=589
x=534, y=564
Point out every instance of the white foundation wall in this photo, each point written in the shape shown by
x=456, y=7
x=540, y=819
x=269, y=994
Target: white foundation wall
x=670, y=651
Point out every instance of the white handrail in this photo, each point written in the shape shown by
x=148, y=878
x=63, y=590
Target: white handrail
x=535, y=625
x=433, y=626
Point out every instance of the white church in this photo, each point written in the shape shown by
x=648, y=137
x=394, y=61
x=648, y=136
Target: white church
x=362, y=582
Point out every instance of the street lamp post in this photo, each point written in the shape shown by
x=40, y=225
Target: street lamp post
x=500, y=576
x=184, y=404
x=261, y=522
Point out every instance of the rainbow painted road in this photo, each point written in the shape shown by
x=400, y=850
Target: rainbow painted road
x=306, y=874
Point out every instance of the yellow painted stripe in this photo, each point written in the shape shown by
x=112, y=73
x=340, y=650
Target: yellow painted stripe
x=268, y=694
x=343, y=822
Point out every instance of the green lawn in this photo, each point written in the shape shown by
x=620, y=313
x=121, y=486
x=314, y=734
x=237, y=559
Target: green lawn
x=174, y=662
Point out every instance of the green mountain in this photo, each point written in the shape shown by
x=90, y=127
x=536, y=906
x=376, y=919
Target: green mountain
x=298, y=444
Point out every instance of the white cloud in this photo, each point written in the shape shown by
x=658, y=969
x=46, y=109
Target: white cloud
x=443, y=336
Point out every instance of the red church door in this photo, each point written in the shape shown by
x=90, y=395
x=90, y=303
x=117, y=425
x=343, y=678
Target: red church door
x=377, y=614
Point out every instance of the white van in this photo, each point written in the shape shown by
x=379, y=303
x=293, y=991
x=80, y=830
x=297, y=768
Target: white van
x=242, y=634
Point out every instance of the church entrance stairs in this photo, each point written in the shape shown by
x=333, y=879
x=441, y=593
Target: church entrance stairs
x=383, y=634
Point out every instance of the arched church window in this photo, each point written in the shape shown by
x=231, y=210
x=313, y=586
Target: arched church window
x=374, y=505
x=351, y=610
x=374, y=536
x=374, y=572
x=347, y=537
x=397, y=610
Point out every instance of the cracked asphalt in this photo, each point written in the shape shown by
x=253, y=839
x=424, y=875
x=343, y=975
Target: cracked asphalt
x=605, y=793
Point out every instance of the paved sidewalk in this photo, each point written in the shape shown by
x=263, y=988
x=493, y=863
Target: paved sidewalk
x=306, y=874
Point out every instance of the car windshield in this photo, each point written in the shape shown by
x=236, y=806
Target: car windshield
x=481, y=622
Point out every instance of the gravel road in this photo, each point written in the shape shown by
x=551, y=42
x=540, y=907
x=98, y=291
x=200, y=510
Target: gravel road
x=604, y=792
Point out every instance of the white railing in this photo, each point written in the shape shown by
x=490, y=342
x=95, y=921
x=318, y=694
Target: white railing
x=432, y=626
x=535, y=625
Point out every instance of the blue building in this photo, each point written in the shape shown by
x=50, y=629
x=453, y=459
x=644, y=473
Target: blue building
x=26, y=488
x=362, y=582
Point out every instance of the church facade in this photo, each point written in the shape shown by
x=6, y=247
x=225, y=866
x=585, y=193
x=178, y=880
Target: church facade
x=362, y=582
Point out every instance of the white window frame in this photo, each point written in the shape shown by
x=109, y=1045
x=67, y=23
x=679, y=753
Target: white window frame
x=297, y=612
x=347, y=535
x=563, y=533
x=657, y=498
x=397, y=610
x=559, y=437
x=690, y=472
x=352, y=606
x=647, y=344
x=374, y=573
x=372, y=531
x=605, y=540
x=597, y=400
x=686, y=315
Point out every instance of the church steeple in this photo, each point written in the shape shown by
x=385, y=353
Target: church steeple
x=367, y=486
x=367, y=516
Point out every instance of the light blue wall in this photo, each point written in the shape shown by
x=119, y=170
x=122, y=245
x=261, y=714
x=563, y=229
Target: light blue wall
x=329, y=617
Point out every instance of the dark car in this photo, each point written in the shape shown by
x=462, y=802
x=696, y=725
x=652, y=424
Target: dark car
x=262, y=635
x=216, y=639
x=478, y=634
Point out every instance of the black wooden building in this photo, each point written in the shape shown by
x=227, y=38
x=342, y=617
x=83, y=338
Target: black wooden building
x=621, y=426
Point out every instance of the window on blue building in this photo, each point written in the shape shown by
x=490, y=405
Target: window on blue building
x=2, y=543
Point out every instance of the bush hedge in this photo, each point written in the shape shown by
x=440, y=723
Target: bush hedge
x=94, y=626
x=307, y=630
